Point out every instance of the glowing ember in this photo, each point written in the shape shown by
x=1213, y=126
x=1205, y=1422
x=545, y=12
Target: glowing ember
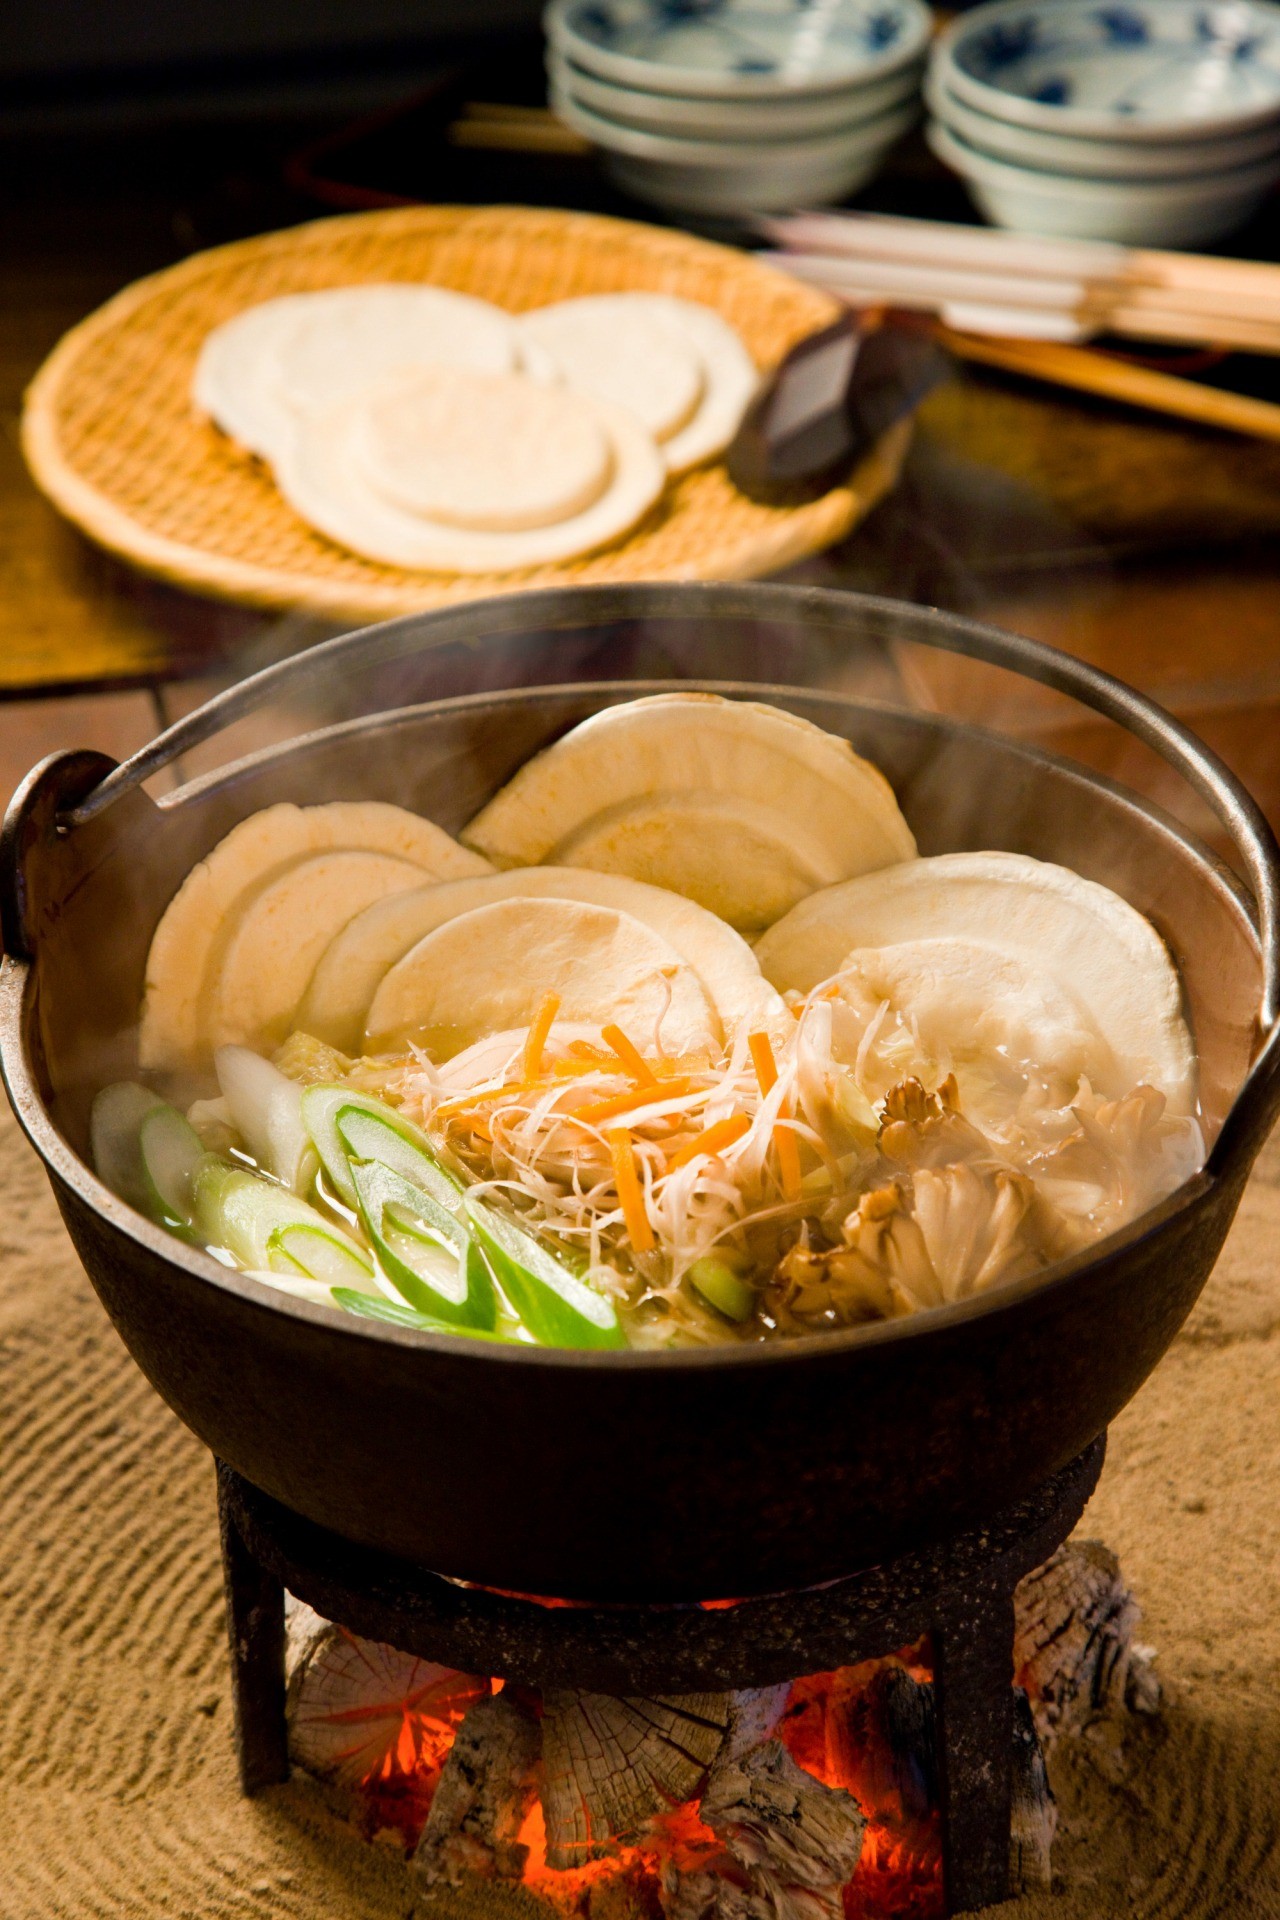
x=377, y=1722
x=854, y=1729
x=382, y=1724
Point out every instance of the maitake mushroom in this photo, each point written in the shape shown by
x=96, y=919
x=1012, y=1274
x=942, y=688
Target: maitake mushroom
x=922, y=1129
x=1123, y=1157
x=959, y=1221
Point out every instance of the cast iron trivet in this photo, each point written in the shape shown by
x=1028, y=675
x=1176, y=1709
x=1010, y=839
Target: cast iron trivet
x=959, y=1592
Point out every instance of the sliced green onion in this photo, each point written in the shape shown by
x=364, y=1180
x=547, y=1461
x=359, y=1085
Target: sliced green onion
x=240, y=1211
x=171, y=1151
x=378, y=1307
x=319, y=1252
x=114, y=1126
x=425, y=1252
x=266, y=1107
x=558, y=1308
x=323, y=1107
x=395, y=1143
x=722, y=1289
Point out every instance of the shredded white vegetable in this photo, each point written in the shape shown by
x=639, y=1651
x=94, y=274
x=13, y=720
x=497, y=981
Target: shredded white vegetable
x=896, y=1152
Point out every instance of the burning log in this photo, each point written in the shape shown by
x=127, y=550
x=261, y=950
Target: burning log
x=611, y=1764
x=1035, y=1811
x=366, y=1718
x=754, y=1713
x=790, y=1844
x=882, y=1745
x=1074, y=1649
x=486, y=1789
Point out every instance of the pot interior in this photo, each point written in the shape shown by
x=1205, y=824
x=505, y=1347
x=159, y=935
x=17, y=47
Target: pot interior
x=962, y=786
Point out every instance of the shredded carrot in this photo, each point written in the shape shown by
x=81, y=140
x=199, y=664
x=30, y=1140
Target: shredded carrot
x=474, y=1124
x=538, y=1032
x=583, y=1050
x=634, y=1097
x=630, y=1056
x=788, y=1157
x=465, y=1101
x=712, y=1139
x=784, y=1140
x=630, y=1195
x=763, y=1061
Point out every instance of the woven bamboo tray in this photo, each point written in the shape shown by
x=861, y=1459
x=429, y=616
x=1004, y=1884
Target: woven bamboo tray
x=111, y=436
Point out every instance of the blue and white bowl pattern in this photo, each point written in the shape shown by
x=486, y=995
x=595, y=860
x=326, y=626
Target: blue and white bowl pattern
x=797, y=116
x=742, y=48
x=1161, y=66
x=1096, y=158
x=1153, y=122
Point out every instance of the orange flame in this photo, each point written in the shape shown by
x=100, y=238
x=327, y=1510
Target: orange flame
x=830, y=1730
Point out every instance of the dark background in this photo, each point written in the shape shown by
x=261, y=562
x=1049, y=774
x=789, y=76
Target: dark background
x=78, y=64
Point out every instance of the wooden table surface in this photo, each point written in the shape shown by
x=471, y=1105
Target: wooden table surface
x=1142, y=545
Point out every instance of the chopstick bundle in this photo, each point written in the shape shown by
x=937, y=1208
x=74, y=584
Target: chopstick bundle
x=1113, y=379
x=1021, y=287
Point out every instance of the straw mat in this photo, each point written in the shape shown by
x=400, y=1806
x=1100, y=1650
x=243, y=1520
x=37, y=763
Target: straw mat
x=117, y=1792
x=111, y=435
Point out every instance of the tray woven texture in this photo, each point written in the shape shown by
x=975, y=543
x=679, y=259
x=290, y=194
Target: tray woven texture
x=112, y=437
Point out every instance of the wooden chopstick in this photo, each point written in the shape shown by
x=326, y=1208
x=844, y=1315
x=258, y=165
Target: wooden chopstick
x=1189, y=272
x=1033, y=308
x=1084, y=307
x=1179, y=326
x=870, y=259
x=875, y=236
x=1089, y=372
x=869, y=236
x=497, y=127
x=925, y=284
x=1140, y=294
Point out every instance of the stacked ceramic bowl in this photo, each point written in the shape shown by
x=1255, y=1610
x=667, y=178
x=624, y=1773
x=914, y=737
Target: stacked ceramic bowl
x=1154, y=122
x=738, y=106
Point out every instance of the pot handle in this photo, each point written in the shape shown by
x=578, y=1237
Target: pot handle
x=473, y=628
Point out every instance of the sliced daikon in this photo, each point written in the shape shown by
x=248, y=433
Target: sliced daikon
x=1098, y=949
x=730, y=378
x=274, y=939
x=344, y=340
x=741, y=860
x=321, y=475
x=493, y=452
x=618, y=349
x=237, y=378
x=337, y=1001
x=942, y=1004
x=197, y=918
x=740, y=806
x=493, y=967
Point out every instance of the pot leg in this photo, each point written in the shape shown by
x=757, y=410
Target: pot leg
x=255, y=1629
x=973, y=1674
